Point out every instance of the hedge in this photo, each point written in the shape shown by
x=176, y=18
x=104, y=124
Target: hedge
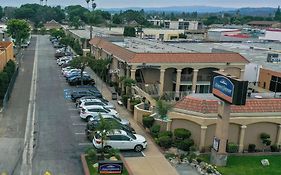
x=181, y=133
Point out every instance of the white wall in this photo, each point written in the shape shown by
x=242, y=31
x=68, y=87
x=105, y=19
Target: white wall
x=252, y=71
x=272, y=35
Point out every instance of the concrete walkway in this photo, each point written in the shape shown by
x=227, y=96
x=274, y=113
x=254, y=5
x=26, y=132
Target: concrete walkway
x=154, y=162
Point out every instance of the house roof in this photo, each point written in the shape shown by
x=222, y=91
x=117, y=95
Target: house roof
x=205, y=106
x=143, y=57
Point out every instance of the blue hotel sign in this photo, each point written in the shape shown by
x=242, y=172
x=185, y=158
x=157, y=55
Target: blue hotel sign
x=229, y=89
x=223, y=88
x=110, y=167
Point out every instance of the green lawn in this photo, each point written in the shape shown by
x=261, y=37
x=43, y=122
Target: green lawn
x=249, y=165
x=94, y=171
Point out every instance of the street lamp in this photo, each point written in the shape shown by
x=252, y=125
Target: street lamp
x=94, y=5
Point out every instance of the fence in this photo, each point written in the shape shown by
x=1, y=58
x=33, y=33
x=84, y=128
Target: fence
x=10, y=88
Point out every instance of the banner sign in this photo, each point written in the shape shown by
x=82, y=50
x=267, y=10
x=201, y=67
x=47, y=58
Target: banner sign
x=223, y=88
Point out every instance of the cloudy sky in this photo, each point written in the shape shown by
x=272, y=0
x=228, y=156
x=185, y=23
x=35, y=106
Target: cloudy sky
x=152, y=3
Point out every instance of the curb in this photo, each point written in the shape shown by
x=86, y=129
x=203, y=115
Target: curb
x=126, y=165
x=85, y=165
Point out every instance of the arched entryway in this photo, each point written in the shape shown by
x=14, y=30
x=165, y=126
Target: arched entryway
x=203, y=79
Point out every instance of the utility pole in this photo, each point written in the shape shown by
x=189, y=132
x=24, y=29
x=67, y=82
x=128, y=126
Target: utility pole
x=94, y=5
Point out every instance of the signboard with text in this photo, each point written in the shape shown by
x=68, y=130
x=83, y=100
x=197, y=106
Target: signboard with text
x=110, y=167
x=229, y=88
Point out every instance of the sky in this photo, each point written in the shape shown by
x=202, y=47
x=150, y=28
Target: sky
x=152, y=3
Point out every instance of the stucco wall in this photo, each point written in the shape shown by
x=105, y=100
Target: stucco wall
x=191, y=126
x=210, y=134
x=233, y=133
x=265, y=77
x=234, y=71
x=168, y=81
x=151, y=75
x=253, y=131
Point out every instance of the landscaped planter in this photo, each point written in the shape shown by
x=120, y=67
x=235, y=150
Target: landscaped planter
x=91, y=170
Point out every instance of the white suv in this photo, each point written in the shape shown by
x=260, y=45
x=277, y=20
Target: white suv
x=92, y=111
x=94, y=102
x=120, y=139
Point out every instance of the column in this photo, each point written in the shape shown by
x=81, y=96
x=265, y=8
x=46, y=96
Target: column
x=241, y=138
x=161, y=80
x=278, y=141
x=178, y=82
x=194, y=80
x=242, y=74
x=133, y=74
x=169, y=124
x=202, y=138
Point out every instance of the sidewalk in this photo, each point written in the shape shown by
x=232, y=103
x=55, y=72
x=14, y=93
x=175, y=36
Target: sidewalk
x=154, y=162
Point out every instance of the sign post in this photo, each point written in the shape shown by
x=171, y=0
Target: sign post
x=231, y=91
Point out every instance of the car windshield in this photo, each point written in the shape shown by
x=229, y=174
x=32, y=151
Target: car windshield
x=106, y=109
x=131, y=135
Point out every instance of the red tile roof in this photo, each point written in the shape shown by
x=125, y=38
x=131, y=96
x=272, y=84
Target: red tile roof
x=134, y=57
x=211, y=106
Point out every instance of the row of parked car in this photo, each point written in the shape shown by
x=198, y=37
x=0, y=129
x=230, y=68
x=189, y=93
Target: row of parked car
x=91, y=107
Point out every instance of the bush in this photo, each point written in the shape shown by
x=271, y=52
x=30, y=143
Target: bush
x=274, y=148
x=155, y=129
x=185, y=144
x=181, y=133
x=165, y=133
x=251, y=148
x=4, y=83
x=232, y=148
x=125, y=99
x=147, y=121
x=165, y=141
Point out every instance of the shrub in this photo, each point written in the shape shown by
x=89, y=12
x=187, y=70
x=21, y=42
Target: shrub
x=251, y=148
x=147, y=121
x=185, y=144
x=265, y=139
x=125, y=99
x=155, y=129
x=232, y=148
x=165, y=133
x=165, y=141
x=274, y=148
x=181, y=133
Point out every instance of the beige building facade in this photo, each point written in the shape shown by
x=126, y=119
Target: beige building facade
x=6, y=53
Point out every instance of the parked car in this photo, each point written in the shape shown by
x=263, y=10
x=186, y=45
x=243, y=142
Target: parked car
x=113, y=117
x=76, y=74
x=120, y=139
x=67, y=72
x=78, y=94
x=88, y=101
x=87, y=80
x=93, y=111
x=94, y=124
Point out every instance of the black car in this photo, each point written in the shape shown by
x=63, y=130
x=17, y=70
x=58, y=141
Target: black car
x=87, y=80
x=93, y=125
x=78, y=94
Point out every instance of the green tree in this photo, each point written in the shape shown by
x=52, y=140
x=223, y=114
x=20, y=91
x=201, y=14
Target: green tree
x=1, y=12
x=75, y=22
x=81, y=63
x=19, y=30
x=58, y=33
x=104, y=128
x=277, y=16
x=129, y=31
x=162, y=109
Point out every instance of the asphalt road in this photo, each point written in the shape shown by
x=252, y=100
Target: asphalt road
x=57, y=148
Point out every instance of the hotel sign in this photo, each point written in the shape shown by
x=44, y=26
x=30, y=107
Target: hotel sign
x=229, y=89
x=110, y=167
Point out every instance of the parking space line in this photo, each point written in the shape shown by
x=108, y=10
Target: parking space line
x=72, y=109
x=79, y=133
x=143, y=154
x=74, y=116
x=79, y=124
x=84, y=144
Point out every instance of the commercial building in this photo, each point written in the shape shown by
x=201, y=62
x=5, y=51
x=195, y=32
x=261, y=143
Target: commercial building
x=52, y=25
x=226, y=35
x=161, y=69
x=263, y=24
x=270, y=80
x=272, y=34
x=6, y=53
x=177, y=25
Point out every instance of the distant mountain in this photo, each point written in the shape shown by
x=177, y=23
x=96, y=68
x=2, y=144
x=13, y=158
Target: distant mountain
x=262, y=11
x=177, y=9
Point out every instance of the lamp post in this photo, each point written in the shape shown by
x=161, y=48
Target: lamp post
x=94, y=5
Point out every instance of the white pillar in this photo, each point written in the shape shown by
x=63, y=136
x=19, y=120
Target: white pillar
x=161, y=80
x=242, y=74
x=202, y=138
x=241, y=138
x=194, y=80
x=278, y=141
x=133, y=74
x=178, y=82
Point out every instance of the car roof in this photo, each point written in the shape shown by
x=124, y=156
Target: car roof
x=91, y=100
x=95, y=107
